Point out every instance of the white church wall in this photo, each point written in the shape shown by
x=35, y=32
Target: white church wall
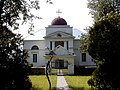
x=40, y=53
x=71, y=45
x=77, y=52
x=52, y=29
x=78, y=58
x=71, y=66
x=88, y=61
x=47, y=43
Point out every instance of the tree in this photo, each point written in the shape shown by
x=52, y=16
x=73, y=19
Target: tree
x=47, y=72
x=100, y=8
x=84, y=41
x=13, y=10
x=104, y=47
x=14, y=69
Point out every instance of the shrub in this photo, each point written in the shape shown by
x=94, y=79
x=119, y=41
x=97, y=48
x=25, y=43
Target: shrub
x=37, y=71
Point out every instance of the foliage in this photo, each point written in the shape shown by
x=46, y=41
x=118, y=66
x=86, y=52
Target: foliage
x=48, y=71
x=104, y=47
x=100, y=8
x=14, y=69
x=84, y=41
x=13, y=10
x=37, y=71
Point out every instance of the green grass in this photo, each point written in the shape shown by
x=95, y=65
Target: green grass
x=78, y=82
x=54, y=71
x=65, y=71
x=39, y=82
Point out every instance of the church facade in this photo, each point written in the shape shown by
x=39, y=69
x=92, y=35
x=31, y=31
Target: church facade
x=57, y=44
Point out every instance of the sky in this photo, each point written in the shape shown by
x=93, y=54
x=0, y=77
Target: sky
x=75, y=12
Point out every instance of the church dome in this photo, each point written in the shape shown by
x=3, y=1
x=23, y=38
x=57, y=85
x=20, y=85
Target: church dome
x=59, y=21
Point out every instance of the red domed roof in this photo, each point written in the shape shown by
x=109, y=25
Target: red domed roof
x=59, y=21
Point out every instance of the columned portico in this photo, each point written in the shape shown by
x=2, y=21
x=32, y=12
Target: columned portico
x=59, y=40
x=61, y=62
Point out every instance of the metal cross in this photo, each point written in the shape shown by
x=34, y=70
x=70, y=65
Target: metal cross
x=58, y=12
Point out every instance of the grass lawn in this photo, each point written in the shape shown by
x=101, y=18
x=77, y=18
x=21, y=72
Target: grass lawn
x=78, y=82
x=54, y=71
x=39, y=82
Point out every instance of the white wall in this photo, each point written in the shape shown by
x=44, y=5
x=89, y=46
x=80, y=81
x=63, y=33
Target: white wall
x=40, y=53
x=76, y=46
x=88, y=62
x=63, y=28
x=78, y=58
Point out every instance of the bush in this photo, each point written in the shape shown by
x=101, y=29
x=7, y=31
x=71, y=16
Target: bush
x=37, y=71
x=81, y=70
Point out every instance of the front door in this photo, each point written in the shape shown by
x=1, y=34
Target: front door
x=59, y=64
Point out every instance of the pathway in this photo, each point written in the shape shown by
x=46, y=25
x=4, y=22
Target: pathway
x=61, y=82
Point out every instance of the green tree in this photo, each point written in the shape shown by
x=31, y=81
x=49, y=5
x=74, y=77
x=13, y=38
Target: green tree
x=14, y=69
x=100, y=8
x=84, y=41
x=104, y=47
x=13, y=10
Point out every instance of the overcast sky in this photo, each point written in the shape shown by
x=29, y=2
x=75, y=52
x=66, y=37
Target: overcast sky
x=75, y=12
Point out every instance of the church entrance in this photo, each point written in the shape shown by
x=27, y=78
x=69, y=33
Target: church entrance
x=60, y=64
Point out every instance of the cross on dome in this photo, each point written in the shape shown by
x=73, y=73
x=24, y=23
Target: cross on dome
x=58, y=12
x=59, y=20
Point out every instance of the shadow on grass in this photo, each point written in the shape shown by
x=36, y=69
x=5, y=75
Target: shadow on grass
x=54, y=88
x=79, y=88
x=37, y=88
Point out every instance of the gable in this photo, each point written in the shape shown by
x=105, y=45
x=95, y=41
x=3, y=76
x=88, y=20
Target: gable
x=59, y=50
x=59, y=34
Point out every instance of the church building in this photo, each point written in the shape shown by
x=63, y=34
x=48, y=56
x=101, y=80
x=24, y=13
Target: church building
x=59, y=43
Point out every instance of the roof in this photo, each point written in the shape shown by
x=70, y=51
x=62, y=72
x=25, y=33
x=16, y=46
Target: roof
x=59, y=21
x=38, y=35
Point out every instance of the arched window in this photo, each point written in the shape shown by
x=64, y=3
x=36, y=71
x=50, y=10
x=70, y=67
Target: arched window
x=34, y=47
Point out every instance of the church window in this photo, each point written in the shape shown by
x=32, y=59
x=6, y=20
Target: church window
x=35, y=48
x=50, y=45
x=59, y=35
x=59, y=43
x=67, y=45
x=34, y=57
x=83, y=57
